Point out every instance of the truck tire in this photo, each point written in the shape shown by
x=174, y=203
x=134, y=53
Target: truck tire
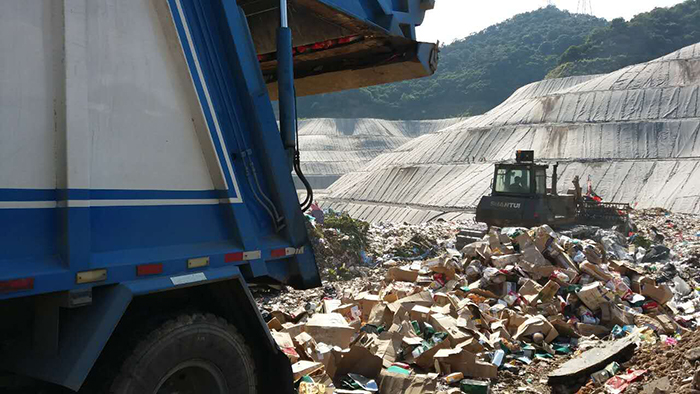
x=189, y=355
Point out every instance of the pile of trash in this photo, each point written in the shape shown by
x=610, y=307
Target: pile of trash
x=340, y=245
x=347, y=248
x=521, y=308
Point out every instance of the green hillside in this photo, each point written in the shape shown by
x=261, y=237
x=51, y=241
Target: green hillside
x=647, y=36
x=475, y=74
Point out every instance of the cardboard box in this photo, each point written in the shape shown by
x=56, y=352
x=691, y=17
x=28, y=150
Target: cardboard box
x=330, y=328
x=425, y=360
x=381, y=315
x=442, y=299
x=404, y=274
x=593, y=254
x=531, y=259
x=394, y=383
x=331, y=305
x=304, y=367
x=293, y=329
x=471, y=345
x=544, y=238
x=563, y=327
x=401, y=317
x=612, y=315
x=529, y=288
x=357, y=360
x=661, y=294
x=283, y=317
x=306, y=346
x=638, y=281
x=423, y=299
x=445, y=265
x=505, y=260
x=594, y=294
x=548, y=292
x=561, y=258
x=524, y=240
x=282, y=339
x=449, y=325
x=412, y=341
x=499, y=243
x=274, y=324
x=464, y=361
x=389, y=346
x=536, y=324
x=588, y=330
x=420, y=313
x=285, y=343
x=350, y=311
x=595, y=271
x=366, y=302
x=323, y=353
x=449, y=361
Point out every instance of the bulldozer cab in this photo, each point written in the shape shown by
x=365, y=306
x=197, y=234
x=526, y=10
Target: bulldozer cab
x=520, y=197
x=524, y=178
x=528, y=180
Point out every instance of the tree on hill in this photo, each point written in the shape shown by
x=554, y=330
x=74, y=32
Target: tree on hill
x=475, y=74
x=647, y=36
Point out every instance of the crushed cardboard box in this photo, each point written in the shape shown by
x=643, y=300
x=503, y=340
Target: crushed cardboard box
x=395, y=383
x=330, y=328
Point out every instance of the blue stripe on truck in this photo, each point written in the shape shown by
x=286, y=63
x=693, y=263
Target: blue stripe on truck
x=104, y=194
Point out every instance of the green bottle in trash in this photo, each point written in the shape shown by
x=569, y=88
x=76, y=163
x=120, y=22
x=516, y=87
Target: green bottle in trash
x=474, y=386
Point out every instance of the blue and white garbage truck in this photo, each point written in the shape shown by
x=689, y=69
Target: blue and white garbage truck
x=145, y=181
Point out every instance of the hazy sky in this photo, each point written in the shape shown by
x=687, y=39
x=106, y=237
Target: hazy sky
x=454, y=19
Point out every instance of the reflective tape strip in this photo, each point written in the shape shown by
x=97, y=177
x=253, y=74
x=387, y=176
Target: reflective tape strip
x=252, y=255
x=191, y=278
x=294, y=251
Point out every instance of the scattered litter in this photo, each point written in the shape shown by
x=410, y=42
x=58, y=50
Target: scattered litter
x=403, y=310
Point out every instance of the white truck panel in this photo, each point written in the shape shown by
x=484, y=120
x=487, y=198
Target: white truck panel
x=31, y=80
x=143, y=132
x=97, y=95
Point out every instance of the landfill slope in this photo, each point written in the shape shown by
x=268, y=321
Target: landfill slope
x=635, y=132
x=330, y=148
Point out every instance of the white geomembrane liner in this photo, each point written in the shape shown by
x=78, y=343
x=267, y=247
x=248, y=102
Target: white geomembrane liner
x=635, y=131
x=331, y=148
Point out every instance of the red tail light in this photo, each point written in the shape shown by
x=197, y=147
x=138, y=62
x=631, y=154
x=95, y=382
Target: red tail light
x=231, y=257
x=278, y=252
x=9, y=286
x=149, y=269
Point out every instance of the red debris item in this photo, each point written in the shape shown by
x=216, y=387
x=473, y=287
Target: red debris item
x=650, y=306
x=440, y=279
x=618, y=384
x=290, y=352
x=670, y=341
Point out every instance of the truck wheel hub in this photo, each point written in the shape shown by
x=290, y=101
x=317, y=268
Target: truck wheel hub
x=193, y=377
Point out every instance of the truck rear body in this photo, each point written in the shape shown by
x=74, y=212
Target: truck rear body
x=141, y=132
